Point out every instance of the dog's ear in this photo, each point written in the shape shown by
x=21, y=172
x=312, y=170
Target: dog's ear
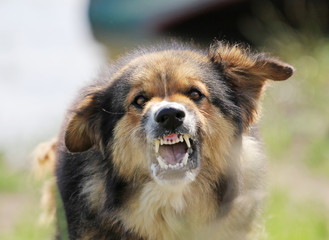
x=82, y=131
x=246, y=74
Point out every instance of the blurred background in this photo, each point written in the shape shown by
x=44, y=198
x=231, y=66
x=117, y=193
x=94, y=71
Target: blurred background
x=48, y=49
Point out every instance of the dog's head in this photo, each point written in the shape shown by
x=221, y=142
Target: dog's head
x=174, y=112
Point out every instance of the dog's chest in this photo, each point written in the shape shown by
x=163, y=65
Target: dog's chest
x=159, y=213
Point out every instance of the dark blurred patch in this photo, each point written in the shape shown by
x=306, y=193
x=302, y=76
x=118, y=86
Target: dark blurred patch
x=129, y=24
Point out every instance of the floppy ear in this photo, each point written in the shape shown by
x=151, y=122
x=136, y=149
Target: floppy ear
x=82, y=131
x=246, y=74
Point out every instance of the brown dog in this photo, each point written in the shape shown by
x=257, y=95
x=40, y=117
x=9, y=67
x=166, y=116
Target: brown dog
x=161, y=146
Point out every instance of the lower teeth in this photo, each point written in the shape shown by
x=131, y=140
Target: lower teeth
x=164, y=165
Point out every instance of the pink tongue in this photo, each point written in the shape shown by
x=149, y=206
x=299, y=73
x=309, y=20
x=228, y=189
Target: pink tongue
x=173, y=153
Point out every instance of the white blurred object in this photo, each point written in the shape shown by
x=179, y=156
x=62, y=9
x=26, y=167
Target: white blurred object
x=46, y=53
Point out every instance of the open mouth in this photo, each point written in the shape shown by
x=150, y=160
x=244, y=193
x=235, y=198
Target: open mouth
x=176, y=155
x=172, y=151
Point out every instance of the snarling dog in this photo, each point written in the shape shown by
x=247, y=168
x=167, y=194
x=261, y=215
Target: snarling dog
x=163, y=146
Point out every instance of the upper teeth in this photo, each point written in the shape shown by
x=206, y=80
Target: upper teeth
x=170, y=142
x=162, y=141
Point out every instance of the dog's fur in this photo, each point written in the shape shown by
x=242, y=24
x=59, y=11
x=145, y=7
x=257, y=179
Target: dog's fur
x=107, y=172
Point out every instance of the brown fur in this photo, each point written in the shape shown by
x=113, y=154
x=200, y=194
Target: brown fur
x=247, y=73
x=222, y=202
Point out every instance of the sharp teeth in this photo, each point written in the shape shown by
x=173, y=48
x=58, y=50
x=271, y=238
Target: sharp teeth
x=162, y=163
x=187, y=140
x=184, y=162
x=157, y=143
x=164, y=141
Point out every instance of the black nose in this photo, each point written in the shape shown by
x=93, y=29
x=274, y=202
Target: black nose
x=170, y=118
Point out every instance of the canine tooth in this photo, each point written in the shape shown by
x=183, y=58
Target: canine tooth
x=184, y=162
x=187, y=140
x=157, y=143
x=161, y=162
x=162, y=165
x=161, y=141
x=181, y=138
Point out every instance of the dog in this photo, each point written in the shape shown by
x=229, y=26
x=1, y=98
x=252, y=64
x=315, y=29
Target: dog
x=164, y=145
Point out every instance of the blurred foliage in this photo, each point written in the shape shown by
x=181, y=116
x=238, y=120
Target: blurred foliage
x=295, y=124
x=10, y=179
x=17, y=187
x=28, y=227
x=288, y=219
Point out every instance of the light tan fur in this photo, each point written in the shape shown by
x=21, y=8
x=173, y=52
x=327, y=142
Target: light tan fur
x=184, y=211
x=44, y=160
x=189, y=211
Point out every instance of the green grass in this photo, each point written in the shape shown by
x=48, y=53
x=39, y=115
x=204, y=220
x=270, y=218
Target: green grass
x=288, y=219
x=11, y=180
x=19, y=185
x=28, y=227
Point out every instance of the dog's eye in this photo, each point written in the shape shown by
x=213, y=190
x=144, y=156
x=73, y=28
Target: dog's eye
x=140, y=101
x=195, y=95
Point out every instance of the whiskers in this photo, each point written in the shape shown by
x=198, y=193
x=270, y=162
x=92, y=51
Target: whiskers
x=121, y=113
x=118, y=113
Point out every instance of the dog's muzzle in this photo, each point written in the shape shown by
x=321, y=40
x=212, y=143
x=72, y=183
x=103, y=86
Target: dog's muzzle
x=171, y=131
